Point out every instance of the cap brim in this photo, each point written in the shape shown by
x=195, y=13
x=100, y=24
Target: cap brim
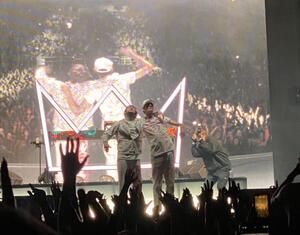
x=103, y=70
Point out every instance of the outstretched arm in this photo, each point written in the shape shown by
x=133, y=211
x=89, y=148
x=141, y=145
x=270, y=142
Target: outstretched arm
x=174, y=123
x=165, y=119
x=68, y=217
x=290, y=178
x=146, y=66
x=51, y=84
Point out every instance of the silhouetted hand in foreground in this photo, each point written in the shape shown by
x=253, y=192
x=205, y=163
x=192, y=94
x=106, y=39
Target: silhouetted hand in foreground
x=70, y=164
x=234, y=190
x=38, y=195
x=186, y=201
x=233, y=186
x=206, y=192
x=56, y=192
x=94, y=197
x=40, y=198
x=7, y=192
x=290, y=178
x=295, y=172
x=130, y=177
x=170, y=203
x=68, y=215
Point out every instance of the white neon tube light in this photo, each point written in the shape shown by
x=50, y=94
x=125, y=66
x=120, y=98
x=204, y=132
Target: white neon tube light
x=111, y=90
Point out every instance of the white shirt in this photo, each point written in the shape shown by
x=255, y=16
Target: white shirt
x=112, y=108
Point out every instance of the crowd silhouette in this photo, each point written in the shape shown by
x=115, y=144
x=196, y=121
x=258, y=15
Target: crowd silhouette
x=69, y=212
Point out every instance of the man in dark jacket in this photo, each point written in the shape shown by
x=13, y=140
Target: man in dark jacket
x=214, y=156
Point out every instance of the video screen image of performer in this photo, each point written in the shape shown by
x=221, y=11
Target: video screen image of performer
x=214, y=155
x=128, y=133
x=69, y=96
x=226, y=76
x=112, y=108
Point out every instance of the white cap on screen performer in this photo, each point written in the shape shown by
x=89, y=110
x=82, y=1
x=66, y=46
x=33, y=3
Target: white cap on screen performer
x=103, y=65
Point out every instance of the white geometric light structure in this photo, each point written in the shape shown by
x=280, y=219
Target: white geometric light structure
x=179, y=90
x=42, y=91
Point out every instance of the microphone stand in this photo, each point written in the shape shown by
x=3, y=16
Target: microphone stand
x=38, y=144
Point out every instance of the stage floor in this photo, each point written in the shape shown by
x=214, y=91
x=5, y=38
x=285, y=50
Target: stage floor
x=256, y=168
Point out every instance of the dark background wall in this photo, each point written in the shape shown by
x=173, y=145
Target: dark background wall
x=282, y=20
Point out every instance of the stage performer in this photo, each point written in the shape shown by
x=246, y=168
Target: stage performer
x=214, y=155
x=112, y=109
x=162, y=150
x=128, y=134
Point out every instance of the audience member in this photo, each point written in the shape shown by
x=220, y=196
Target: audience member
x=88, y=212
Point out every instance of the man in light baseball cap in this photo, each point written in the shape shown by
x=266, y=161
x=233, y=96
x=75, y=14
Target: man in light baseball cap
x=147, y=101
x=161, y=150
x=103, y=65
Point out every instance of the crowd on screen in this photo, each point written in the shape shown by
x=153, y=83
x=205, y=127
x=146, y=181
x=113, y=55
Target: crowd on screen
x=242, y=129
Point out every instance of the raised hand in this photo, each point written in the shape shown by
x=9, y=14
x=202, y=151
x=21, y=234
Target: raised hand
x=70, y=163
x=166, y=198
x=234, y=193
x=186, y=200
x=295, y=172
x=117, y=204
x=290, y=178
x=93, y=200
x=160, y=115
x=83, y=205
x=102, y=200
x=56, y=192
x=234, y=188
x=170, y=203
x=130, y=177
x=8, y=195
x=55, y=189
x=223, y=195
x=127, y=51
x=206, y=192
x=40, y=198
x=37, y=195
x=195, y=137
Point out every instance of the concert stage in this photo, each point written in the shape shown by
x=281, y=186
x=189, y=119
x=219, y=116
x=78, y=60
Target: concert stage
x=252, y=172
x=256, y=168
